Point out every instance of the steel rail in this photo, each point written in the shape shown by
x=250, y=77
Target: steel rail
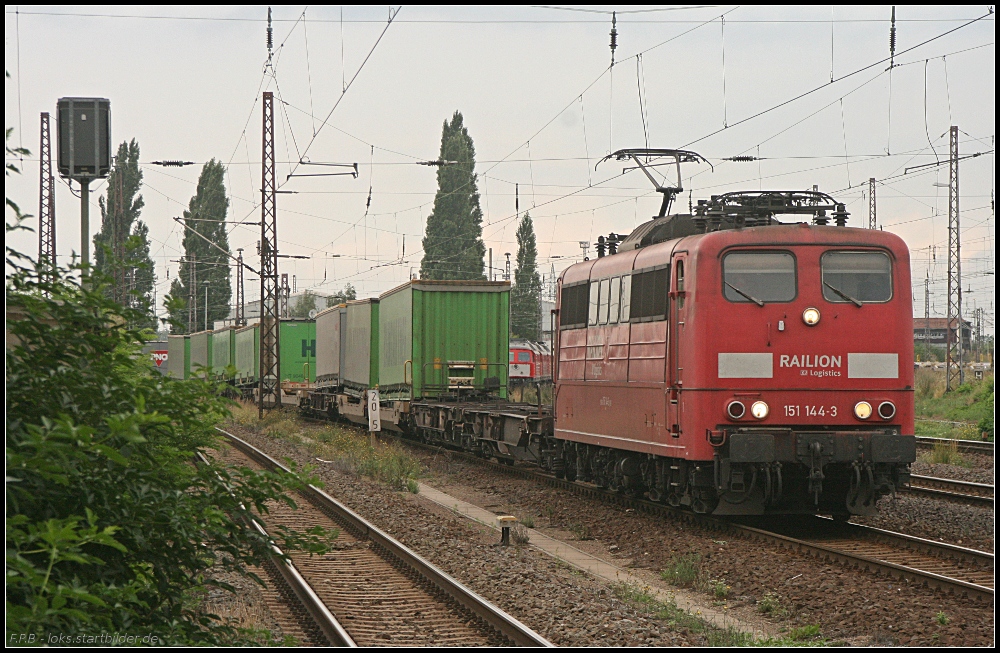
x=334, y=632
x=493, y=616
x=951, y=489
x=815, y=548
x=965, y=446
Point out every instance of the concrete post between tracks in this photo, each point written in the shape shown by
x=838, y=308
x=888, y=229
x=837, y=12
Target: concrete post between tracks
x=505, y=521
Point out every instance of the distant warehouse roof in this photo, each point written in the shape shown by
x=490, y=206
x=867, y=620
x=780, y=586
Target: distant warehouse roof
x=937, y=323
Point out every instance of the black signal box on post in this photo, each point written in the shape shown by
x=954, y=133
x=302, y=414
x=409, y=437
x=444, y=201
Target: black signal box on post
x=84, y=128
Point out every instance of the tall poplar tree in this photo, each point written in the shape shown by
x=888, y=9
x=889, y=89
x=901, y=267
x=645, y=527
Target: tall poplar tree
x=342, y=296
x=526, y=295
x=206, y=215
x=120, y=209
x=453, y=241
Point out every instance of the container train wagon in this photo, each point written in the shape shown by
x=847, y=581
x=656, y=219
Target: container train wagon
x=178, y=356
x=422, y=341
x=718, y=360
x=233, y=355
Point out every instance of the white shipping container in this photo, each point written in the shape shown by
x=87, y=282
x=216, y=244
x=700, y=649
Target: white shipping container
x=330, y=341
x=200, y=355
x=175, y=357
x=356, y=367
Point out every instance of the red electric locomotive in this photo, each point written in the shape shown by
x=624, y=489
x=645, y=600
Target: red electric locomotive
x=530, y=361
x=726, y=362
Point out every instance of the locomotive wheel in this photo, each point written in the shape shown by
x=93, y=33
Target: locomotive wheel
x=704, y=500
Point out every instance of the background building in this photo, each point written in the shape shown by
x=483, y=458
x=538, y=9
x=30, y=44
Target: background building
x=934, y=331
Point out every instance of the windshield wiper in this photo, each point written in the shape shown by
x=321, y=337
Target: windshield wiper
x=843, y=295
x=747, y=295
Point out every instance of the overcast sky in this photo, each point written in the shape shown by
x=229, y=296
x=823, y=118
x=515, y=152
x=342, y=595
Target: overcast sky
x=542, y=107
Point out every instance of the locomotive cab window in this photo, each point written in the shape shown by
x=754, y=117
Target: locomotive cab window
x=523, y=357
x=759, y=277
x=856, y=277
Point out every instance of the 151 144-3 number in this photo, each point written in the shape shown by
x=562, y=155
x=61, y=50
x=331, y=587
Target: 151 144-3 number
x=810, y=411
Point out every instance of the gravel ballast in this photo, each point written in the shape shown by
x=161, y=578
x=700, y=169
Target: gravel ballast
x=787, y=589
x=935, y=519
x=977, y=468
x=848, y=605
x=564, y=606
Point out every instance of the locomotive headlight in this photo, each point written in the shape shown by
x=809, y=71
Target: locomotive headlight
x=811, y=316
x=759, y=409
x=862, y=410
x=886, y=410
x=736, y=409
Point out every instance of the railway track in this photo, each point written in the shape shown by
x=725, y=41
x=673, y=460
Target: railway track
x=964, y=446
x=950, y=568
x=978, y=494
x=382, y=593
x=947, y=567
x=293, y=603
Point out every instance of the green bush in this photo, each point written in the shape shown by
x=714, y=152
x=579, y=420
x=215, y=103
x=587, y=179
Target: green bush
x=348, y=448
x=986, y=396
x=719, y=588
x=811, y=631
x=770, y=604
x=682, y=571
x=110, y=525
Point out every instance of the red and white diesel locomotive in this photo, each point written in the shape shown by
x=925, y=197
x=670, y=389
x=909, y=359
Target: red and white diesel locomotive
x=726, y=362
x=530, y=362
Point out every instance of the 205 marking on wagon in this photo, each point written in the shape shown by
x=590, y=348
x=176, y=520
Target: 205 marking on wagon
x=810, y=411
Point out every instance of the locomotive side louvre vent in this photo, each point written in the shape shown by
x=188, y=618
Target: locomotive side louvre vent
x=649, y=294
x=575, y=305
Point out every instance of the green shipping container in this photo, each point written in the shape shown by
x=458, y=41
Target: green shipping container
x=223, y=350
x=247, y=351
x=178, y=356
x=360, y=367
x=201, y=352
x=443, y=337
x=297, y=350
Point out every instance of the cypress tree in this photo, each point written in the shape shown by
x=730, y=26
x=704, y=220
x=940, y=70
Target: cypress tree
x=453, y=241
x=120, y=210
x=526, y=295
x=206, y=215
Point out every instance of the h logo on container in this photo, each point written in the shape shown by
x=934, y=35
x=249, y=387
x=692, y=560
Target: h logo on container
x=308, y=348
